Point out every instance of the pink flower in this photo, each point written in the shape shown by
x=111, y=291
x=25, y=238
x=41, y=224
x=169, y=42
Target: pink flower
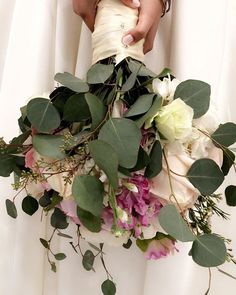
x=69, y=207
x=160, y=248
x=29, y=159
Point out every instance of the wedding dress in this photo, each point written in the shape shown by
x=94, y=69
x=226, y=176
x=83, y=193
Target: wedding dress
x=39, y=38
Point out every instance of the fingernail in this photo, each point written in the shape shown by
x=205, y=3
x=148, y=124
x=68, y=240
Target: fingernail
x=136, y=3
x=127, y=40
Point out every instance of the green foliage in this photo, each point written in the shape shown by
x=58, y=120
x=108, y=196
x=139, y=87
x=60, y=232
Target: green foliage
x=72, y=82
x=15, y=146
x=128, y=244
x=130, y=82
x=49, y=146
x=106, y=159
x=142, y=244
x=155, y=165
x=7, y=165
x=205, y=175
x=30, y=205
x=108, y=287
x=157, y=103
x=209, y=250
x=196, y=94
x=55, y=199
x=11, y=208
x=88, y=192
x=230, y=194
x=124, y=136
x=174, y=224
x=58, y=219
x=60, y=256
x=142, y=162
x=88, y=260
x=225, y=134
x=91, y=222
x=76, y=109
x=140, y=69
x=141, y=105
x=228, y=161
x=97, y=109
x=44, y=243
x=43, y=115
x=99, y=73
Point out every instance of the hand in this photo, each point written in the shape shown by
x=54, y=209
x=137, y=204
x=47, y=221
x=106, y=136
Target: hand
x=149, y=17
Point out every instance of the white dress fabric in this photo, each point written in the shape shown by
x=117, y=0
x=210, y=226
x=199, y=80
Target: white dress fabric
x=42, y=37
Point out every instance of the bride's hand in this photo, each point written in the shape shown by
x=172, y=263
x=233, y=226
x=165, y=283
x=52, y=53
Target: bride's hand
x=149, y=17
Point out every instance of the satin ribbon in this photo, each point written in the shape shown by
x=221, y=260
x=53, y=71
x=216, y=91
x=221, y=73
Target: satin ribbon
x=113, y=20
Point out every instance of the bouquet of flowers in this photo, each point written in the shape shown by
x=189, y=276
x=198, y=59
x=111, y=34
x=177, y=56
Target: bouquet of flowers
x=129, y=156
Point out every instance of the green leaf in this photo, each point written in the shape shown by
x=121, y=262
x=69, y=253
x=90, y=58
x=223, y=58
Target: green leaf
x=228, y=161
x=88, y=260
x=165, y=72
x=11, y=209
x=43, y=115
x=124, y=136
x=106, y=159
x=205, y=175
x=97, y=109
x=76, y=109
x=230, y=193
x=64, y=235
x=128, y=244
x=209, y=250
x=55, y=200
x=141, y=105
x=15, y=146
x=99, y=73
x=58, y=219
x=88, y=192
x=196, y=94
x=91, y=222
x=53, y=266
x=155, y=165
x=108, y=288
x=130, y=82
x=30, y=205
x=157, y=103
x=44, y=243
x=174, y=224
x=60, y=256
x=142, y=161
x=72, y=82
x=7, y=164
x=140, y=69
x=225, y=135
x=49, y=146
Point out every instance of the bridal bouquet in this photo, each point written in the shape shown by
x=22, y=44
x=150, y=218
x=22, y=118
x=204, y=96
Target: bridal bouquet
x=129, y=156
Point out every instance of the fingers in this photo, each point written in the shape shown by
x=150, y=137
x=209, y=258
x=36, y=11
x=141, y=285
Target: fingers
x=131, y=3
x=86, y=10
x=149, y=40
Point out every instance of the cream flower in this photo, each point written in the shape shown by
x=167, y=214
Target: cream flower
x=165, y=88
x=174, y=121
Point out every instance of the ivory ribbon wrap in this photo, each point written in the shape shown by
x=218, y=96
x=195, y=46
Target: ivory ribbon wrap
x=113, y=20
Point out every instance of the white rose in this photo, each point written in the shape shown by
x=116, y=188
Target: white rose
x=174, y=121
x=165, y=88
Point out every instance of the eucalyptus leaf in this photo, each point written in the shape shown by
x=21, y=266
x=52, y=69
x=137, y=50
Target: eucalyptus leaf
x=76, y=109
x=106, y=158
x=209, y=250
x=125, y=137
x=49, y=146
x=130, y=82
x=11, y=208
x=99, y=73
x=15, y=146
x=228, y=161
x=157, y=103
x=43, y=115
x=88, y=192
x=174, y=224
x=58, y=219
x=230, y=194
x=88, y=260
x=140, y=69
x=60, y=256
x=164, y=73
x=72, y=82
x=196, y=94
x=205, y=175
x=7, y=164
x=97, y=109
x=108, y=288
x=30, y=205
x=91, y=222
x=141, y=105
x=225, y=135
x=44, y=243
x=155, y=165
x=142, y=161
